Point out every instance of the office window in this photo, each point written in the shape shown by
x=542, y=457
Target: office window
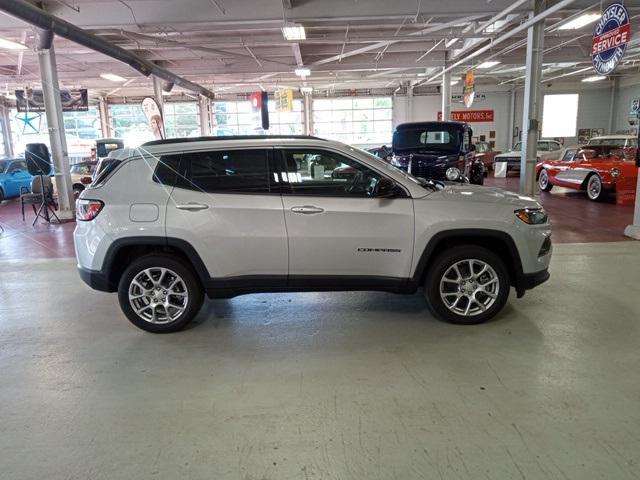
x=129, y=123
x=181, y=119
x=357, y=120
x=560, y=115
x=237, y=118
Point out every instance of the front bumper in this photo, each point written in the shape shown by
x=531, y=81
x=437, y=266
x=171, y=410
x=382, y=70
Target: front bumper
x=95, y=279
x=527, y=281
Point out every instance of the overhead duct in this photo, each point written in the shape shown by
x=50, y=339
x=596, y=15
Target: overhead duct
x=45, y=21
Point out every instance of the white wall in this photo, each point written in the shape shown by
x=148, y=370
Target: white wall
x=426, y=108
x=623, y=105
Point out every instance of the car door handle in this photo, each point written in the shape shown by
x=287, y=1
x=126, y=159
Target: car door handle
x=307, y=210
x=192, y=206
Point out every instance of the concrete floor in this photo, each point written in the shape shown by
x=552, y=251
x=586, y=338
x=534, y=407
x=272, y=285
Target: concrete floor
x=325, y=386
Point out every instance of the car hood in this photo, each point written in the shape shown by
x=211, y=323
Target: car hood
x=478, y=194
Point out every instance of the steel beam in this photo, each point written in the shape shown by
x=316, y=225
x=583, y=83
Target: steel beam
x=446, y=92
x=532, y=101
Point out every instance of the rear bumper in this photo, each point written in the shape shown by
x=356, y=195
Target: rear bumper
x=95, y=279
x=531, y=280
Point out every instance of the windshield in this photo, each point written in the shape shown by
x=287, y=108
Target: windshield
x=381, y=164
x=442, y=138
x=3, y=165
x=616, y=142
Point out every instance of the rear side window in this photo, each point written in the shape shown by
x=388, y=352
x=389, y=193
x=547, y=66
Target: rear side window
x=227, y=171
x=106, y=167
x=168, y=170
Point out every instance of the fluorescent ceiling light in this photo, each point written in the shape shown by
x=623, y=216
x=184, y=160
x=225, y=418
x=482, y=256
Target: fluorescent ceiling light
x=306, y=89
x=294, y=32
x=454, y=82
x=302, y=72
x=579, y=22
x=112, y=77
x=488, y=64
x=595, y=78
x=11, y=45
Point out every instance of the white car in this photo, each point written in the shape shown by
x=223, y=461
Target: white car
x=622, y=141
x=547, y=150
x=164, y=224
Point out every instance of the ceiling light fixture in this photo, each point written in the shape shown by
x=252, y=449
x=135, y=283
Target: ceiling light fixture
x=294, y=32
x=594, y=78
x=11, y=45
x=454, y=82
x=112, y=77
x=451, y=42
x=302, y=72
x=579, y=22
x=488, y=64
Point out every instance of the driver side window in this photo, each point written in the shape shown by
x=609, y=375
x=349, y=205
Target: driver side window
x=328, y=174
x=568, y=156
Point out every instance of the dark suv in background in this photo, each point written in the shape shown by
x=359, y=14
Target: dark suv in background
x=437, y=151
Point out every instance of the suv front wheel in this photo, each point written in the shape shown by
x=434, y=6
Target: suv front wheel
x=467, y=285
x=159, y=293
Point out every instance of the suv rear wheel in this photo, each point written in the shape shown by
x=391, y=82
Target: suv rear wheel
x=159, y=293
x=467, y=285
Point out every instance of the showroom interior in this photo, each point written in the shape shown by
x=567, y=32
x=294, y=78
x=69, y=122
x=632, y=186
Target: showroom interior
x=313, y=383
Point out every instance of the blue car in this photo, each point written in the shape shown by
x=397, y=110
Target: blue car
x=13, y=176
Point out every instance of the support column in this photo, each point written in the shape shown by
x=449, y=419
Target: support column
x=446, y=91
x=6, y=132
x=633, y=230
x=409, y=110
x=105, y=124
x=511, y=119
x=205, y=116
x=532, y=102
x=308, y=114
x=57, y=138
x=612, y=104
x=157, y=92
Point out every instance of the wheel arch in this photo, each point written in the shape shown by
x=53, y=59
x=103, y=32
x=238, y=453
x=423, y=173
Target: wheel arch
x=123, y=251
x=496, y=241
x=583, y=185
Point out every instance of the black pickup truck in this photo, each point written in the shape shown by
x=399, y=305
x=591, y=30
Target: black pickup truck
x=437, y=151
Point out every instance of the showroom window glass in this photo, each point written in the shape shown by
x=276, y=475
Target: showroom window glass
x=81, y=129
x=129, y=123
x=181, y=119
x=354, y=120
x=560, y=115
x=236, y=118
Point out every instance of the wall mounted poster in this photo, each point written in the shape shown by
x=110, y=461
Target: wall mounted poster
x=584, y=134
x=32, y=100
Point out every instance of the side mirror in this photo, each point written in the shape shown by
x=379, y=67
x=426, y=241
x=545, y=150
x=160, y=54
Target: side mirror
x=386, y=188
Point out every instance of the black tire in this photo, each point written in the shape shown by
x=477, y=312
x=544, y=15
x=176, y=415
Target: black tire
x=441, y=266
x=191, y=286
x=543, y=181
x=595, y=189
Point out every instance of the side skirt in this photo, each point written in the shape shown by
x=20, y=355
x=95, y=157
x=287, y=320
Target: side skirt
x=231, y=287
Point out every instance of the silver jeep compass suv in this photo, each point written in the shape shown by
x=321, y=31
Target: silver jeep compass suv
x=175, y=219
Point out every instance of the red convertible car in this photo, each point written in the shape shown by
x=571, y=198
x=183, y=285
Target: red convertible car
x=595, y=168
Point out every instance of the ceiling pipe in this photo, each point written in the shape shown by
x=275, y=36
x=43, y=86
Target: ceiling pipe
x=506, y=36
x=47, y=22
x=500, y=15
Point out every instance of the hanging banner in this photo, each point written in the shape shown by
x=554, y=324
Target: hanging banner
x=469, y=91
x=284, y=100
x=31, y=100
x=154, y=117
x=260, y=108
x=610, y=38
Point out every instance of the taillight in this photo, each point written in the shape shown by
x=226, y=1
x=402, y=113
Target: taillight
x=85, y=180
x=87, y=210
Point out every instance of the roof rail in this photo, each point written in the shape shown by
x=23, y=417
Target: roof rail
x=228, y=137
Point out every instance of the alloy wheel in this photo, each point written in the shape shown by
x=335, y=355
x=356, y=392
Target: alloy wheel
x=158, y=295
x=469, y=287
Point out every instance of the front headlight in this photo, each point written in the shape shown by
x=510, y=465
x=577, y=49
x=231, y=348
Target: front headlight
x=532, y=216
x=615, y=172
x=452, y=174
